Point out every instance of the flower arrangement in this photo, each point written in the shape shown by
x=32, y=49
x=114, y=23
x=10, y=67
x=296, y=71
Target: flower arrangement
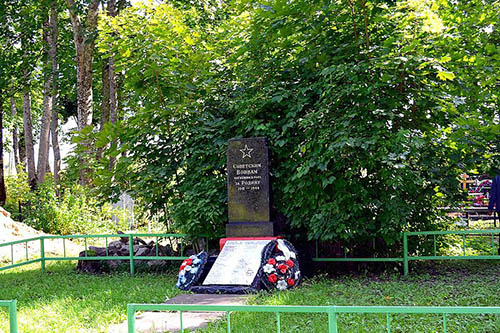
x=190, y=270
x=280, y=268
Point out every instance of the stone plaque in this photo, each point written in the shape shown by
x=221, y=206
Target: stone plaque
x=237, y=263
x=248, y=180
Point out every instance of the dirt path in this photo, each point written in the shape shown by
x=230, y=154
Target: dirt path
x=11, y=230
x=152, y=322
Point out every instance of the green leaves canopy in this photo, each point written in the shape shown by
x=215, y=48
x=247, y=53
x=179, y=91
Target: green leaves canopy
x=369, y=108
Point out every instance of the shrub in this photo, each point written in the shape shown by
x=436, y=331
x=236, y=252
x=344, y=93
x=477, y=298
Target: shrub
x=74, y=211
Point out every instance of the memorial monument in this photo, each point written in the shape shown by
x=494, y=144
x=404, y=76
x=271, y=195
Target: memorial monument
x=248, y=188
x=250, y=253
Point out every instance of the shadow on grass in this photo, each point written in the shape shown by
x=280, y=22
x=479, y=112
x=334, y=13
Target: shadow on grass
x=62, y=300
x=446, y=283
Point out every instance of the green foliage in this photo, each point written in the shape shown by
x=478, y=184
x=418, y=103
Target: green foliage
x=17, y=189
x=74, y=211
x=63, y=301
x=369, y=109
x=452, y=284
x=162, y=79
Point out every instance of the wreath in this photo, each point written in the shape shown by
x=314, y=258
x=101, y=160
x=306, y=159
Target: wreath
x=191, y=270
x=280, y=267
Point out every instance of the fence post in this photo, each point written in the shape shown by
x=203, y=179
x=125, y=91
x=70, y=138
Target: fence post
x=131, y=318
x=13, y=316
x=405, y=253
x=131, y=253
x=332, y=320
x=42, y=253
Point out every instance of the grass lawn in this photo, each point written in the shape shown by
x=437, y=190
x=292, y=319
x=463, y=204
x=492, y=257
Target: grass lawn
x=65, y=301
x=437, y=284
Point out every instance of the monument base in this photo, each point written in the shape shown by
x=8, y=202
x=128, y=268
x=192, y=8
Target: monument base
x=224, y=289
x=223, y=241
x=243, y=266
x=250, y=229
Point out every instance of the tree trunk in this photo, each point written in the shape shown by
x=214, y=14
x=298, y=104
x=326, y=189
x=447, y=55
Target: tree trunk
x=113, y=105
x=28, y=132
x=15, y=140
x=84, y=108
x=109, y=101
x=47, y=165
x=3, y=194
x=22, y=151
x=105, y=93
x=83, y=36
x=54, y=131
x=84, y=56
x=105, y=101
x=54, y=124
x=43, y=150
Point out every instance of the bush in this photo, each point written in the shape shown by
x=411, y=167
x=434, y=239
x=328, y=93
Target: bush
x=368, y=109
x=74, y=211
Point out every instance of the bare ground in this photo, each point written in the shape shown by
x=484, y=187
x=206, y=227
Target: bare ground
x=11, y=230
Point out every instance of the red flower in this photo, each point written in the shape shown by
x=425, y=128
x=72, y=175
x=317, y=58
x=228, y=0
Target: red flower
x=272, y=278
x=271, y=261
x=289, y=263
x=291, y=282
x=283, y=268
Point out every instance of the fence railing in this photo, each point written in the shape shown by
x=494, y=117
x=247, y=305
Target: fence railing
x=407, y=256
x=330, y=311
x=346, y=258
x=12, y=308
x=27, y=260
x=42, y=257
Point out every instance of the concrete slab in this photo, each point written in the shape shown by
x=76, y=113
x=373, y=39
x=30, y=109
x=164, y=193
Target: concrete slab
x=170, y=321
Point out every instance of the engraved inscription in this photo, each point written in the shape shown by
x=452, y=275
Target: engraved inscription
x=247, y=176
x=248, y=180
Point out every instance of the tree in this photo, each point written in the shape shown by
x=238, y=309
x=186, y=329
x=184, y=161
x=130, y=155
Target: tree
x=19, y=42
x=158, y=83
x=357, y=99
x=15, y=140
x=28, y=129
x=50, y=52
x=7, y=69
x=3, y=194
x=109, y=107
x=84, y=23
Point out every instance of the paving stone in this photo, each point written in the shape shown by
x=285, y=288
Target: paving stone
x=170, y=321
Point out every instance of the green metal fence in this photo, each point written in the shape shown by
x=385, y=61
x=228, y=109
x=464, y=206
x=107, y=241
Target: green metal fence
x=332, y=312
x=12, y=308
x=407, y=256
x=42, y=257
x=346, y=258
x=27, y=259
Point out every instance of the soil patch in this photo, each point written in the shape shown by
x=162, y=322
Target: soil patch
x=11, y=230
